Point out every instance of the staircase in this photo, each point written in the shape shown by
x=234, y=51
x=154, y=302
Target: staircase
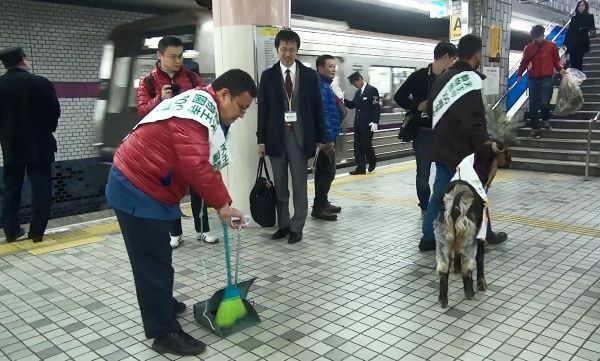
x=563, y=149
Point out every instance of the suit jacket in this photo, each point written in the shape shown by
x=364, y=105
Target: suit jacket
x=368, y=108
x=29, y=112
x=310, y=128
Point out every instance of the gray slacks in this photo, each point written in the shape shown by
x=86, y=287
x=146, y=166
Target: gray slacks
x=294, y=158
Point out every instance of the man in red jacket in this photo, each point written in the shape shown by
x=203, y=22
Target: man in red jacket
x=179, y=144
x=543, y=57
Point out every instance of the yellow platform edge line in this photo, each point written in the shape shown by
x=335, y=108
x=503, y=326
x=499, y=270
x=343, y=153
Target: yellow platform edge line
x=64, y=245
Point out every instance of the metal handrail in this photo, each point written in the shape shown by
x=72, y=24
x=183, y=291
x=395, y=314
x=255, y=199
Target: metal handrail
x=525, y=72
x=591, y=122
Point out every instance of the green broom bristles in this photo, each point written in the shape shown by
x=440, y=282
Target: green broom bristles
x=231, y=308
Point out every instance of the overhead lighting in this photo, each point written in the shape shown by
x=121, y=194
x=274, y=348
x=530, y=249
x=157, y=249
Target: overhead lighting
x=521, y=26
x=424, y=7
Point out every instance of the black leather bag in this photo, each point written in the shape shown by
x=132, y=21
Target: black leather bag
x=263, y=198
x=409, y=128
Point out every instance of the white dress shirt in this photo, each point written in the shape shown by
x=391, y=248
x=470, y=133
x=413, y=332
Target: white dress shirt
x=292, y=72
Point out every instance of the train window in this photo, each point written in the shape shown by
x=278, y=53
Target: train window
x=118, y=86
x=143, y=66
x=387, y=80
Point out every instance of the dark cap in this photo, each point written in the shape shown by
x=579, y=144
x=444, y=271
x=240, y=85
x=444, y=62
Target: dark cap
x=537, y=31
x=11, y=56
x=354, y=77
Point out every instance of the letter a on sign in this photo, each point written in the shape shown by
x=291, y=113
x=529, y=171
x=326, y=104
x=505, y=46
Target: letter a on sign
x=455, y=28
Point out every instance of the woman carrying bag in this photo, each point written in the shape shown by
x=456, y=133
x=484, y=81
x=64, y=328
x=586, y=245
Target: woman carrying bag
x=577, y=39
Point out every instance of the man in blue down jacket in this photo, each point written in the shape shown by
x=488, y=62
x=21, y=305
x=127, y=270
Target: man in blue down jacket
x=325, y=160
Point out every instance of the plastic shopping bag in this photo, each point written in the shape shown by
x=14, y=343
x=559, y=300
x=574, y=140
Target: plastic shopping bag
x=577, y=75
x=570, y=97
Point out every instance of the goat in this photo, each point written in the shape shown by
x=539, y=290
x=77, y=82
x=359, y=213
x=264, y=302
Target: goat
x=461, y=219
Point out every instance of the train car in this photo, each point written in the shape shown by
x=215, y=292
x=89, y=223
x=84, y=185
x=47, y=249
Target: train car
x=384, y=60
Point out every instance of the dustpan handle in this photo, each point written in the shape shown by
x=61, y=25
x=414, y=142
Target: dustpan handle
x=227, y=255
x=237, y=255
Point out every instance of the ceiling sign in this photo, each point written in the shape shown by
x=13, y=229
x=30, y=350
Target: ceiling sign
x=438, y=9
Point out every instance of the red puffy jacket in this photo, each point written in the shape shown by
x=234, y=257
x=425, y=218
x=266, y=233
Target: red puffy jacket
x=164, y=157
x=146, y=101
x=543, y=58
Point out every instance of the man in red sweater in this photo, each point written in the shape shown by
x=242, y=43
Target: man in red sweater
x=541, y=57
x=179, y=144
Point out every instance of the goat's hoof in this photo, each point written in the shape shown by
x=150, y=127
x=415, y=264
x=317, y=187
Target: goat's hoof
x=481, y=285
x=469, y=294
x=444, y=303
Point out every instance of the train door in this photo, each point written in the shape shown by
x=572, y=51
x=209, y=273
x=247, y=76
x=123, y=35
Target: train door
x=131, y=53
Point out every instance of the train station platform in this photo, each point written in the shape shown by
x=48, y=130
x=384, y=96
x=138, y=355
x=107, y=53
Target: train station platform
x=354, y=289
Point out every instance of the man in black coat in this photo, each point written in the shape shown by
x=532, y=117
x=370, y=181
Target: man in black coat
x=290, y=128
x=29, y=112
x=368, y=109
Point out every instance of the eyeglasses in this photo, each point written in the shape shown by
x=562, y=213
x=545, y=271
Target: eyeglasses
x=175, y=56
x=240, y=107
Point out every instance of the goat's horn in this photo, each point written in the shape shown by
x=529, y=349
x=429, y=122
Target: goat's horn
x=496, y=149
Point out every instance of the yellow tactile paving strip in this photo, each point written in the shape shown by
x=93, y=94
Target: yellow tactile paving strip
x=73, y=237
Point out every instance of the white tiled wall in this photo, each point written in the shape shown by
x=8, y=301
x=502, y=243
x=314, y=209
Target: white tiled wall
x=64, y=43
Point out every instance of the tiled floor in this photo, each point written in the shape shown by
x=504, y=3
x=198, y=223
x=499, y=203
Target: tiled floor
x=355, y=289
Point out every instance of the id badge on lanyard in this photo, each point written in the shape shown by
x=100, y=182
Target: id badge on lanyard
x=290, y=116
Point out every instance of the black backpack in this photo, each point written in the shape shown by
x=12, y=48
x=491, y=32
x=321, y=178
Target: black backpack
x=152, y=89
x=263, y=199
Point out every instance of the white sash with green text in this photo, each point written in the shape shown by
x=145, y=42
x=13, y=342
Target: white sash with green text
x=465, y=171
x=455, y=88
x=197, y=105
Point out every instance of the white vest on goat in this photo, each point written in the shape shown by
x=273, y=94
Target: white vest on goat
x=466, y=172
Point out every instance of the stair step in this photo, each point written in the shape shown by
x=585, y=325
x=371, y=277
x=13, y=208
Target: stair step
x=580, y=115
x=557, y=143
x=553, y=166
x=573, y=124
x=591, y=98
x=553, y=154
x=580, y=134
x=590, y=106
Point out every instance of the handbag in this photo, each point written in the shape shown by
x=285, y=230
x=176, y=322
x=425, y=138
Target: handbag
x=263, y=199
x=409, y=128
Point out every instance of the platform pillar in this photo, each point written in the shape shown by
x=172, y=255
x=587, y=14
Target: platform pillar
x=234, y=22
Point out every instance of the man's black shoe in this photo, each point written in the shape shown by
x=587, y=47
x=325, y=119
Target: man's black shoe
x=333, y=209
x=36, y=239
x=281, y=232
x=323, y=214
x=497, y=238
x=179, y=307
x=372, y=166
x=19, y=237
x=178, y=343
x=358, y=171
x=295, y=237
x=425, y=246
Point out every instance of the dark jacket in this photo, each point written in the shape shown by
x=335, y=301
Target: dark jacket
x=271, y=109
x=578, y=35
x=148, y=99
x=29, y=112
x=463, y=128
x=414, y=91
x=543, y=57
x=333, y=121
x=368, y=108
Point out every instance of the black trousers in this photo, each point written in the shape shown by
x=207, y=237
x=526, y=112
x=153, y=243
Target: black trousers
x=150, y=255
x=324, y=176
x=576, y=59
x=201, y=225
x=363, y=147
x=40, y=177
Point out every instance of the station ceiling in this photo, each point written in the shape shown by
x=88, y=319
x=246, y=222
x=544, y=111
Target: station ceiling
x=359, y=14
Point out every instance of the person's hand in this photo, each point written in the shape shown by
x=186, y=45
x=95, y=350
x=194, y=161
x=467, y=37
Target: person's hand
x=226, y=213
x=261, y=150
x=373, y=127
x=422, y=106
x=519, y=78
x=166, y=92
x=563, y=72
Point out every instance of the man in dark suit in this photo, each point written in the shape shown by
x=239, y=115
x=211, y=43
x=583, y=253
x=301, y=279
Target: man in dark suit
x=368, y=110
x=290, y=128
x=29, y=112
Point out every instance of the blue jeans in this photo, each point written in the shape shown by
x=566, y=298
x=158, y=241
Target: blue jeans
x=540, y=93
x=443, y=176
x=421, y=145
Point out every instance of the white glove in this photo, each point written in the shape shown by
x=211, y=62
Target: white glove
x=373, y=127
